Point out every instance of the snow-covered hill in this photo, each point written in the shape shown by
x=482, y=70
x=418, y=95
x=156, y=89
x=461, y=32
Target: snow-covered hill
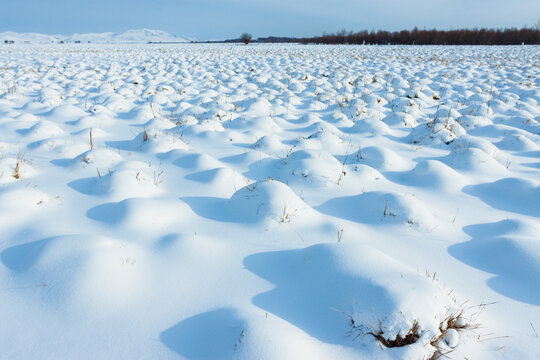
x=33, y=38
x=129, y=37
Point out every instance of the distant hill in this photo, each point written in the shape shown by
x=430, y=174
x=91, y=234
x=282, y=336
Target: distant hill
x=129, y=37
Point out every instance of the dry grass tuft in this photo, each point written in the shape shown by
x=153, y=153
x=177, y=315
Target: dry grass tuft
x=16, y=174
x=17, y=170
x=286, y=216
x=91, y=140
x=410, y=338
x=455, y=321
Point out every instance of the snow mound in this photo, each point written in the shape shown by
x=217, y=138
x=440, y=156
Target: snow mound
x=378, y=208
x=271, y=145
x=269, y=200
x=358, y=289
x=433, y=174
x=140, y=216
x=43, y=129
x=510, y=250
x=380, y=158
x=317, y=167
x=509, y=194
x=130, y=180
x=218, y=176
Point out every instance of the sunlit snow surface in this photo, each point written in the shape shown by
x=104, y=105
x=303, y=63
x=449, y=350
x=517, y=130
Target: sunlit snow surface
x=268, y=201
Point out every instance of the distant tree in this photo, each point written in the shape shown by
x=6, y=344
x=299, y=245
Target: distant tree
x=246, y=38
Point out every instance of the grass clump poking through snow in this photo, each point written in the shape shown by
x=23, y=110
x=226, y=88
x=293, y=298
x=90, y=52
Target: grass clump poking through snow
x=409, y=338
x=433, y=331
x=443, y=343
x=450, y=329
x=17, y=170
x=16, y=174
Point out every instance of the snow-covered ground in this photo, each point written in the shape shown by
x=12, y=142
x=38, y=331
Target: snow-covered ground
x=269, y=202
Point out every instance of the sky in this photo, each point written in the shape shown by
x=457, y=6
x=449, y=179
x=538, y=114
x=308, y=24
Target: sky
x=221, y=19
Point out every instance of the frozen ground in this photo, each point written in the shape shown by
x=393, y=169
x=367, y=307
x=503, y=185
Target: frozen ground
x=269, y=202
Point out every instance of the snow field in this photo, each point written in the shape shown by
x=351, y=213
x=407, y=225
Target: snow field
x=269, y=202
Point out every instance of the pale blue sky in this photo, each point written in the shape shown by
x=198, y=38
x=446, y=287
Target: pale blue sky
x=217, y=19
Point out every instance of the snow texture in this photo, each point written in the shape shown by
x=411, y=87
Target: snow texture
x=188, y=201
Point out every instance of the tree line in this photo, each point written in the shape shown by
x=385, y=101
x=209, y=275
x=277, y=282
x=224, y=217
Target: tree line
x=508, y=36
